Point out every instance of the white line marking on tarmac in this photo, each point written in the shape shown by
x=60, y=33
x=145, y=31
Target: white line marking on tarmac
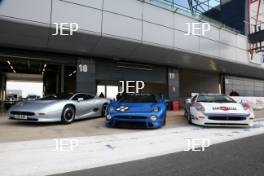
x=39, y=158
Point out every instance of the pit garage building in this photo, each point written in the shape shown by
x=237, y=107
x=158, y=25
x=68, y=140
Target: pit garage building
x=129, y=40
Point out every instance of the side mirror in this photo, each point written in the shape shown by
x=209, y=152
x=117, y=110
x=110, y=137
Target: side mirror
x=80, y=99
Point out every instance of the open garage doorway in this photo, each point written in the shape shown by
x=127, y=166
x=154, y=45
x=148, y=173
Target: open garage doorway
x=110, y=89
x=28, y=78
x=26, y=87
x=109, y=75
x=193, y=81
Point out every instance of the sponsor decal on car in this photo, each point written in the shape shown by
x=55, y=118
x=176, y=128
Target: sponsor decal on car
x=122, y=108
x=254, y=102
x=224, y=108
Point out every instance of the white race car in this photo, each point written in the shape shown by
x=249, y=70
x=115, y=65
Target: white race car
x=218, y=110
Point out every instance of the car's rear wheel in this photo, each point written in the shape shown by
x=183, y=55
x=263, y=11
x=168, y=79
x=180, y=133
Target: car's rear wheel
x=68, y=114
x=104, y=107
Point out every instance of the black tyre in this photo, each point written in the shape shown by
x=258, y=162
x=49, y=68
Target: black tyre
x=104, y=107
x=185, y=113
x=68, y=114
x=165, y=120
x=189, y=118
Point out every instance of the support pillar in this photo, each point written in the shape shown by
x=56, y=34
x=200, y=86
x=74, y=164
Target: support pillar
x=62, y=79
x=85, y=78
x=173, y=84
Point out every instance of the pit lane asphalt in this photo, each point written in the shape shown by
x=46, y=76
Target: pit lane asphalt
x=243, y=157
x=13, y=131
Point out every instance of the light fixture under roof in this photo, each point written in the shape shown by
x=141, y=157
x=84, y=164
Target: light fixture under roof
x=74, y=72
x=134, y=66
x=11, y=66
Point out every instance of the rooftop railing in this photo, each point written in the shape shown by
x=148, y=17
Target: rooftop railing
x=175, y=7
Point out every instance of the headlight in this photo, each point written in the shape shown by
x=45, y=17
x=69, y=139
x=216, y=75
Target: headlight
x=108, y=117
x=155, y=109
x=199, y=107
x=153, y=118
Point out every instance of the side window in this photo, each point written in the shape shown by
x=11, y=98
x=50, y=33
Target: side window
x=87, y=97
x=76, y=97
x=194, y=98
x=83, y=97
x=79, y=96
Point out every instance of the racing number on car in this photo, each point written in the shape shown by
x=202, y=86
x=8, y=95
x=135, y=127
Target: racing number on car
x=83, y=68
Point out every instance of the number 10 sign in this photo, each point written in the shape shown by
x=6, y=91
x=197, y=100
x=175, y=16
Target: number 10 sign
x=83, y=68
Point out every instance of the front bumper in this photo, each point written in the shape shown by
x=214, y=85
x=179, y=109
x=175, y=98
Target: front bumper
x=9, y=103
x=241, y=121
x=34, y=117
x=137, y=120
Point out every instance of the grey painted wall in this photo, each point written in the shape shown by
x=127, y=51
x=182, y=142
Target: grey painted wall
x=198, y=82
x=126, y=71
x=244, y=86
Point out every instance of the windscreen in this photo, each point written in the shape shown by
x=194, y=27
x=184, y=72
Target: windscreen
x=12, y=96
x=215, y=99
x=138, y=99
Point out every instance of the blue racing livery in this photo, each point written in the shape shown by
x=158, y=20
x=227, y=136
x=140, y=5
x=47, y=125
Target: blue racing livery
x=137, y=110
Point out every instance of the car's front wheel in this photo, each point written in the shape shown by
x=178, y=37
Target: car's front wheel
x=68, y=114
x=185, y=113
x=104, y=107
x=189, y=116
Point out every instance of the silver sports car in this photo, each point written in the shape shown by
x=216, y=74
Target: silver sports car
x=65, y=108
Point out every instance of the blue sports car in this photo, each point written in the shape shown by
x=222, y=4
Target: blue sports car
x=137, y=110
